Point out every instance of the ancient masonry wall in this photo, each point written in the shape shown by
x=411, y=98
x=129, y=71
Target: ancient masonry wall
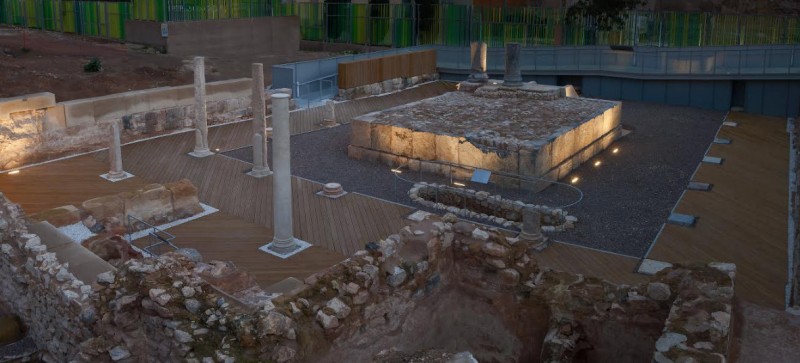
x=550, y=159
x=34, y=127
x=389, y=85
x=162, y=310
x=56, y=307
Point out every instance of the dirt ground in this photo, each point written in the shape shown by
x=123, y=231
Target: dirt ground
x=34, y=61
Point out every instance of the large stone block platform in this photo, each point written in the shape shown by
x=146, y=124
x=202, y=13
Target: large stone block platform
x=534, y=131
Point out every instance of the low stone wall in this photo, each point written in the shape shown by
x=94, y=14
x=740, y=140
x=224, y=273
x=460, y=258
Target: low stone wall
x=386, y=86
x=56, y=307
x=469, y=203
x=44, y=130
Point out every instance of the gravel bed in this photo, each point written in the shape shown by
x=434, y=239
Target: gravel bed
x=626, y=199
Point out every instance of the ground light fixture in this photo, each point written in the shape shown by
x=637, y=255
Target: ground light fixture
x=616, y=150
x=597, y=163
x=397, y=171
x=459, y=184
x=13, y=172
x=574, y=180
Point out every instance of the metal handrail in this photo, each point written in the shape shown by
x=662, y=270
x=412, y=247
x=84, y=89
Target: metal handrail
x=157, y=236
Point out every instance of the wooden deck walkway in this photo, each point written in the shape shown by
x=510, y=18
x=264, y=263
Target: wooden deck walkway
x=221, y=236
x=743, y=219
x=615, y=268
x=337, y=227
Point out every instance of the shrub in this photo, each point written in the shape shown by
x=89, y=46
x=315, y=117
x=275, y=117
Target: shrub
x=94, y=65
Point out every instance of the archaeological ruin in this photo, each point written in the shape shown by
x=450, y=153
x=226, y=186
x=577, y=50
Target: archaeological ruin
x=485, y=202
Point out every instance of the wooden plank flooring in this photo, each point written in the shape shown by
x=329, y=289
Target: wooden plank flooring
x=220, y=236
x=336, y=227
x=615, y=268
x=744, y=218
x=69, y=181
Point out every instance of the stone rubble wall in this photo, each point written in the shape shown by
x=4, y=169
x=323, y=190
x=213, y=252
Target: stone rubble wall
x=45, y=129
x=56, y=308
x=163, y=310
x=469, y=203
x=700, y=318
x=386, y=86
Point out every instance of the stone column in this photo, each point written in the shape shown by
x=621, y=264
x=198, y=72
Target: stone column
x=201, y=123
x=330, y=121
x=513, y=75
x=284, y=241
x=531, y=226
x=115, y=154
x=477, y=52
x=260, y=151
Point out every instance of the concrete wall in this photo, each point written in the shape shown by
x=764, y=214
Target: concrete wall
x=767, y=97
x=46, y=129
x=145, y=32
x=220, y=38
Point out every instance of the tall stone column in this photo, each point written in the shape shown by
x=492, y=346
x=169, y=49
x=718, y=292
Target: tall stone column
x=200, y=121
x=513, y=75
x=115, y=155
x=260, y=151
x=477, y=52
x=284, y=241
x=531, y=226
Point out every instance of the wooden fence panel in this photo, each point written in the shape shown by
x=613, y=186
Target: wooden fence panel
x=368, y=71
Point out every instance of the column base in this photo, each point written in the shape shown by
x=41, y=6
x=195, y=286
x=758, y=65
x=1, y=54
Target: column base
x=299, y=246
x=328, y=122
x=259, y=173
x=478, y=78
x=113, y=177
x=201, y=153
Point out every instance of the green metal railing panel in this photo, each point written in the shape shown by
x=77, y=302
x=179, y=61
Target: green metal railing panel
x=402, y=25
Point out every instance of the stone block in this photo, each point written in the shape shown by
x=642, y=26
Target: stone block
x=684, y=220
x=371, y=155
x=109, y=107
x=79, y=113
x=174, y=118
x=162, y=98
x=105, y=207
x=24, y=103
x=355, y=152
x=153, y=204
x=361, y=133
x=223, y=90
x=59, y=217
x=185, y=202
x=469, y=155
x=424, y=145
x=446, y=148
x=54, y=119
x=381, y=137
x=402, y=141
x=184, y=95
x=504, y=161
